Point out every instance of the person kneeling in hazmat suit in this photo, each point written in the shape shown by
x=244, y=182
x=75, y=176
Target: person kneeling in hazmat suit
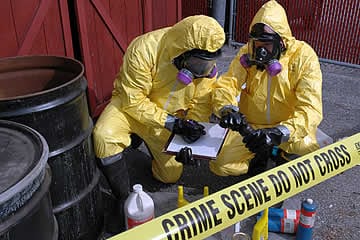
x=279, y=81
x=164, y=86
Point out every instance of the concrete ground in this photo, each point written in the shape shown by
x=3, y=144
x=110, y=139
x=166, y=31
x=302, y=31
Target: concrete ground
x=338, y=198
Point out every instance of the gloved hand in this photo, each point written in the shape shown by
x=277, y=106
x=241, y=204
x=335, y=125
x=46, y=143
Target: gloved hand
x=185, y=157
x=190, y=130
x=214, y=118
x=263, y=140
x=236, y=121
x=232, y=120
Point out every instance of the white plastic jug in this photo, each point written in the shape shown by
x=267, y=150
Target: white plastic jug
x=139, y=207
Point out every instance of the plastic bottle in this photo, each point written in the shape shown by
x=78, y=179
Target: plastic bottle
x=139, y=207
x=307, y=219
x=260, y=230
x=283, y=220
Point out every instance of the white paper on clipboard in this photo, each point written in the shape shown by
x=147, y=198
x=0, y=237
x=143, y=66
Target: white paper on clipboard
x=207, y=146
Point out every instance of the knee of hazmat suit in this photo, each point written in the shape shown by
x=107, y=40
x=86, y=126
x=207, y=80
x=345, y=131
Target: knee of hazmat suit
x=164, y=72
x=278, y=78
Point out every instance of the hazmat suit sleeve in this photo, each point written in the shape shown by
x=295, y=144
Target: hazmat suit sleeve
x=134, y=83
x=308, y=97
x=228, y=86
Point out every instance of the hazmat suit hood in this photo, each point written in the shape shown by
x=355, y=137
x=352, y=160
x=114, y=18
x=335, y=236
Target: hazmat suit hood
x=274, y=15
x=194, y=32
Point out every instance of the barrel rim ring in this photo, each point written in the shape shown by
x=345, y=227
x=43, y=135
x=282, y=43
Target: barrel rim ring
x=31, y=59
x=35, y=171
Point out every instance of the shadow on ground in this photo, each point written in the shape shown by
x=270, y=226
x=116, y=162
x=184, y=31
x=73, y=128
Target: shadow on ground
x=193, y=178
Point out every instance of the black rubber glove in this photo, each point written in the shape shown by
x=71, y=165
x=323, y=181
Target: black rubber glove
x=190, y=130
x=236, y=121
x=263, y=140
x=232, y=120
x=185, y=157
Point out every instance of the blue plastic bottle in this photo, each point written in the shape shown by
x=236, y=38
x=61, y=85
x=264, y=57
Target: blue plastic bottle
x=307, y=219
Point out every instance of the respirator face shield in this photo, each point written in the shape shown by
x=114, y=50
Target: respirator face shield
x=199, y=67
x=264, y=44
x=260, y=51
x=196, y=63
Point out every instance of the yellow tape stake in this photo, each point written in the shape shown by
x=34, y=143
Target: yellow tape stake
x=217, y=211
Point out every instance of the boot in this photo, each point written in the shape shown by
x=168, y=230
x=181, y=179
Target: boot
x=136, y=141
x=116, y=172
x=258, y=164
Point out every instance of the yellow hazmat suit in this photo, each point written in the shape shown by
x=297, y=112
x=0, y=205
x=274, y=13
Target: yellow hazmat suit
x=146, y=90
x=292, y=98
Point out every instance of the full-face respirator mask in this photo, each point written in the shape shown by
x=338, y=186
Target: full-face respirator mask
x=196, y=63
x=265, y=48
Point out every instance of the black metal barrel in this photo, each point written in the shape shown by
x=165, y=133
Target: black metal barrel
x=25, y=204
x=48, y=93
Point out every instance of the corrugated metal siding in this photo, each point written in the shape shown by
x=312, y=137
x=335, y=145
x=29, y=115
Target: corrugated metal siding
x=195, y=7
x=27, y=27
x=331, y=27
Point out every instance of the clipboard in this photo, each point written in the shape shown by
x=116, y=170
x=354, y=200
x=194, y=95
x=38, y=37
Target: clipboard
x=206, y=147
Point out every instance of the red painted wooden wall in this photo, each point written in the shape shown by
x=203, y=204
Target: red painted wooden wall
x=106, y=28
x=96, y=32
x=35, y=27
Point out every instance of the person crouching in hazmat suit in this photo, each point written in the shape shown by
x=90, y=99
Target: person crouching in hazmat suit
x=163, y=87
x=279, y=81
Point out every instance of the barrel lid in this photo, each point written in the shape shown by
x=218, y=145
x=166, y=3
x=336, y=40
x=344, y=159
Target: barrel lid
x=23, y=156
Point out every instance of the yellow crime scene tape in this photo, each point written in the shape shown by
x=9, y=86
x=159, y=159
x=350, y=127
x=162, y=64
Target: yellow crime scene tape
x=219, y=210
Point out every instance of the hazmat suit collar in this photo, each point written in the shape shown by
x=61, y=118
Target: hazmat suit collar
x=274, y=15
x=194, y=32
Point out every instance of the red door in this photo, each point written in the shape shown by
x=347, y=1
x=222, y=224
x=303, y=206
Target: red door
x=104, y=30
x=106, y=27
x=35, y=27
